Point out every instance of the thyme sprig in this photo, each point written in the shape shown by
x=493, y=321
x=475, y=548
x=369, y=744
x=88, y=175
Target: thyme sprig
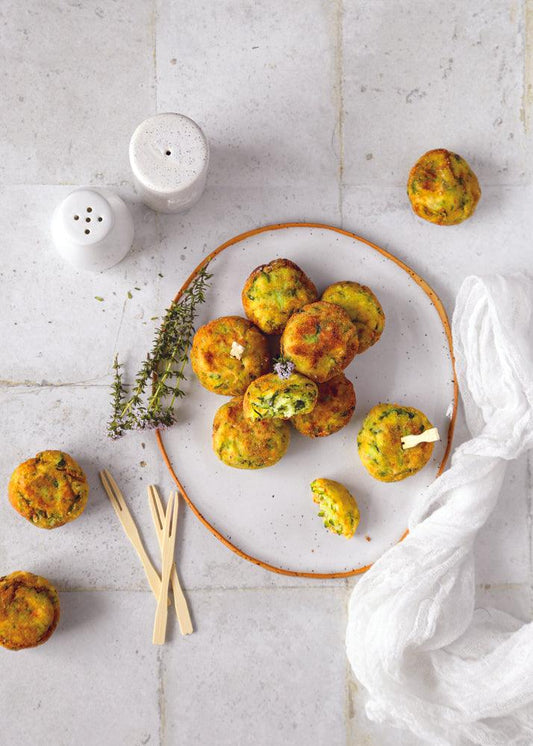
x=157, y=384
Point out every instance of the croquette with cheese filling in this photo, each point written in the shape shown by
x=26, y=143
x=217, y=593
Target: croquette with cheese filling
x=337, y=507
x=442, y=188
x=380, y=446
x=320, y=340
x=49, y=490
x=273, y=397
x=333, y=410
x=29, y=610
x=363, y=308
x=228, y=353
x=273, y=292
x=244, y=444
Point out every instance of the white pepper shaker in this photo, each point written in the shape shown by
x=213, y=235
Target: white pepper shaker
x=169, y=157
x=92, y=229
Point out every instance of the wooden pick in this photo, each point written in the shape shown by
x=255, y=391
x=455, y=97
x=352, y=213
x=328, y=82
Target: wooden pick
x=167, y=553
x=180, y=602
x=130, y=529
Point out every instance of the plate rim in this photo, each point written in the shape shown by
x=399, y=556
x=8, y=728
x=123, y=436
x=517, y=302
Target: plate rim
x=439, y=307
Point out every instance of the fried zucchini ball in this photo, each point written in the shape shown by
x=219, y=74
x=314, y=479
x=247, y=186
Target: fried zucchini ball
x=363, y=308
x=244, y=444
x=320, y=340
x=338, y=508
x=333, y=410
x=228, y=353
x=273, y=292
x=271, y=396
x=29, y=610
x=49, y=490
x=443, y=188
x=380, y=446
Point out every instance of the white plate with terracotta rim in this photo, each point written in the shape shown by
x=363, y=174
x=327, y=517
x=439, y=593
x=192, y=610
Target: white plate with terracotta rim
x=267, y=516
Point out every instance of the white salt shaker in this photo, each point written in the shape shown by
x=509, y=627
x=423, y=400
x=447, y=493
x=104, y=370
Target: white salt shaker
x=92, y=229
x=169, y=157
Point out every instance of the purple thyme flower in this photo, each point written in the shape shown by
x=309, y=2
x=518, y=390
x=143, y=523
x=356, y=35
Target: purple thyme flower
x=284, y=368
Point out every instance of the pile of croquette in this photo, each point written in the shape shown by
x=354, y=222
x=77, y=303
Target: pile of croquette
x=306, y=385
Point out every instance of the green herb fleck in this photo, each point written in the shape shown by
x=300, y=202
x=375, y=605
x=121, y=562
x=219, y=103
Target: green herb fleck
x=99, y=298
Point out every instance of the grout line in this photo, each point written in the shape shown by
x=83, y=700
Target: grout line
x=90, y=383
x=161, y=700
x=529, y=473
x=347, y=677
x=527, y=82
x=154, y=53
x=208, y=589
x=133, y=197
x=339, y=70
x=160, y=254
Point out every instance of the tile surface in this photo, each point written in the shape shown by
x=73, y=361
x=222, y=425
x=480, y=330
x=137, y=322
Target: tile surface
x=77, y=78
x=262, y=665
x=78, y=686
x=458, y=85
x=262, y=79
x=315, y=112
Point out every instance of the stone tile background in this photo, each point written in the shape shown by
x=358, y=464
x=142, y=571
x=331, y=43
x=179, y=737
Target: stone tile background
x=315, y=111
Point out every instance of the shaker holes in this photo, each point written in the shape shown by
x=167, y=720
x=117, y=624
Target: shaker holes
x=89, y=209
x=87, y=220
x=87, y=231
x=168, y=152
x=76, y=217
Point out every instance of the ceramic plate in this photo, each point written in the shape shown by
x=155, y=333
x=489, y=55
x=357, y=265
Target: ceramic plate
x=268, y=516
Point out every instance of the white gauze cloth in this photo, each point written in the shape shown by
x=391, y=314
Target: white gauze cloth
x=429, y=661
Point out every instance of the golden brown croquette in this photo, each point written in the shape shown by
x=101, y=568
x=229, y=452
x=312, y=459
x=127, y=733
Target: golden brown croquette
x=228, y=353
x=442, y=188
x=380, y=447
x=363, y=308
x=273, y=292
x=49, y=490
x=244, y=444
x=320, y=340
x=333, y=410
x=29, y=610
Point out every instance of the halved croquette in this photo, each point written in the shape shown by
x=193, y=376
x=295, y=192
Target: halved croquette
x=338, y=508
x=273, y=397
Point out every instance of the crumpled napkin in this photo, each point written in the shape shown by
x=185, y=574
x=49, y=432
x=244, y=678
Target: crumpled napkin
x=428, y=660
